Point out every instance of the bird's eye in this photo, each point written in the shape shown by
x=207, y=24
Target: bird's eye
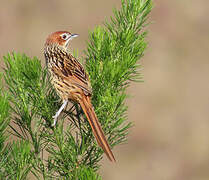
x=64, y=36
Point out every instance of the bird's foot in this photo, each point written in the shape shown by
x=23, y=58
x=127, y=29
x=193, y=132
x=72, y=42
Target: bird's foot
x=55, y=120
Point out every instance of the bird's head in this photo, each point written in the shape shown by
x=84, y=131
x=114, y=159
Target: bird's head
x=60, y=38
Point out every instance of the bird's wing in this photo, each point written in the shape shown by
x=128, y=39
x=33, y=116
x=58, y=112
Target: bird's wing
x=73, y=72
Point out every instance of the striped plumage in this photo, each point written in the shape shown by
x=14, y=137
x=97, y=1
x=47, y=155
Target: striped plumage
x=72, y=83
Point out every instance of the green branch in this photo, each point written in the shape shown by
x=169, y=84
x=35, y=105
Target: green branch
x=69, y=150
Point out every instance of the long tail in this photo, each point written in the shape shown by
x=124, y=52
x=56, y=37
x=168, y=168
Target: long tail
x=87, y=107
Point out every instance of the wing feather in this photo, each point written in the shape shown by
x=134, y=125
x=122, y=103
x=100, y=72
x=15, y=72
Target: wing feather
x=73, y=72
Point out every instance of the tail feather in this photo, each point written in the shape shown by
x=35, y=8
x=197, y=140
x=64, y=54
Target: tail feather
x=96, y=127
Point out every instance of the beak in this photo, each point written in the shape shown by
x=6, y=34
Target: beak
x=70, y=38
x=73, y=36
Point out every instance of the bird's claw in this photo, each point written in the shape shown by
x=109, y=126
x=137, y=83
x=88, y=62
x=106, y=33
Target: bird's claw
x=55, y=120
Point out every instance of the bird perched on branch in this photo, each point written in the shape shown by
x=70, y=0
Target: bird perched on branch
x=72, y=82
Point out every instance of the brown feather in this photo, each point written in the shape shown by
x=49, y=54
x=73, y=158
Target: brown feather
x=87, y=107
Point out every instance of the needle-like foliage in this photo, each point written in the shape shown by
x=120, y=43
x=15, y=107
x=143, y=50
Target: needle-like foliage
x=69, y=150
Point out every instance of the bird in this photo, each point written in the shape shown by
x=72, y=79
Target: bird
x=72, y=83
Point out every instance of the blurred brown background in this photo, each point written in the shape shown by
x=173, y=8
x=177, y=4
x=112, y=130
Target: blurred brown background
x=170, y=139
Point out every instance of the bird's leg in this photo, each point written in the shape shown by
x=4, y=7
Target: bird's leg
x=58, y=112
